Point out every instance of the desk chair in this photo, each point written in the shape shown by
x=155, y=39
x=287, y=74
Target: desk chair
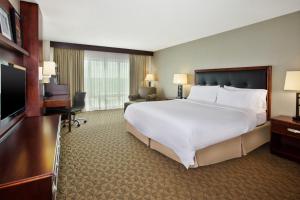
x=78, y=106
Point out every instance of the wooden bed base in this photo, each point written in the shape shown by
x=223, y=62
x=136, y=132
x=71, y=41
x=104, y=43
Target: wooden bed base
x=229, y=149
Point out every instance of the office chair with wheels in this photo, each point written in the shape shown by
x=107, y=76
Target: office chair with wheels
x=78, y=106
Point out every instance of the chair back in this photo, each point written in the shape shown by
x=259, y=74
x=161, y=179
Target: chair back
x=79, y=100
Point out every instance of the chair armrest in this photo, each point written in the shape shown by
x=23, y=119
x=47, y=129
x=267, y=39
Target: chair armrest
x=133, y=97
x=151, y=97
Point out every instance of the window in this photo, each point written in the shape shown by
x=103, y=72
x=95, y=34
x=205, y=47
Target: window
x=106, y=80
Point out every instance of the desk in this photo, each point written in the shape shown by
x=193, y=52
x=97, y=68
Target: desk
x=59, y=101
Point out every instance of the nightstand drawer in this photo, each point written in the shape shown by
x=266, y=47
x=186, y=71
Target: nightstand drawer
x=286, y=129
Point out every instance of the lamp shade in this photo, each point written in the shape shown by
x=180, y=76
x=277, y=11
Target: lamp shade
x=49, y=68
x=149, y=77
x=40, y=73
x=292, y=81
x=180, y=79
x=46, y=79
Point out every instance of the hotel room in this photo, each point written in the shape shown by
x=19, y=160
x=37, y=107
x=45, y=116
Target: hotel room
x=171, y=99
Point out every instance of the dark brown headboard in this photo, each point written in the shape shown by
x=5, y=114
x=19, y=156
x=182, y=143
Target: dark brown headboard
x=258, y=77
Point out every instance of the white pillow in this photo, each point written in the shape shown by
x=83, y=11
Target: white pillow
x=204, y=93
x=239, y=99
x=261, y=95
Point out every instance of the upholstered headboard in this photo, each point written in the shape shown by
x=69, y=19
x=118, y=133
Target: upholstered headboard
x=259, y=77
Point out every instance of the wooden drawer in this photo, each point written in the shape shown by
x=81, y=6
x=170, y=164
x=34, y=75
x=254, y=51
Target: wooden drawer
x=285, y=129
x=56, y=166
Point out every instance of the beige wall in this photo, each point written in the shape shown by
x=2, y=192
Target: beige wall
x=46, y=50
x=16, y=4
x=274, y=42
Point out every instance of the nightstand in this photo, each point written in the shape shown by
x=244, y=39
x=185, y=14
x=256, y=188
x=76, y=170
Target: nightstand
x=285, y=137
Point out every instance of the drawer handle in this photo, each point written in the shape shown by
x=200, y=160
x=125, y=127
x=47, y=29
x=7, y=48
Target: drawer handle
x=293, y=130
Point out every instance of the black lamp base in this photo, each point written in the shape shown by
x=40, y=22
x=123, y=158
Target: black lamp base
x=179, y=93
x=297, y=117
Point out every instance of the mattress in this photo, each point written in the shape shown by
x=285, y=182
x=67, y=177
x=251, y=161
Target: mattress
x=186, y=126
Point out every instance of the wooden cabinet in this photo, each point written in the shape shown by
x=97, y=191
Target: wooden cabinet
x=29, y=159
x=285, y=137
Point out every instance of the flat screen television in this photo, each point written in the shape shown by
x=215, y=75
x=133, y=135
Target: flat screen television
x=13, y=90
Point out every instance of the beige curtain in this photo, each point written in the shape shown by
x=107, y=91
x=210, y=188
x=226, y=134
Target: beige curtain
x=138, y=69
x=70, y=68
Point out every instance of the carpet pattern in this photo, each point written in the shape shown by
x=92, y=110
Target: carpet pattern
x=100, y=160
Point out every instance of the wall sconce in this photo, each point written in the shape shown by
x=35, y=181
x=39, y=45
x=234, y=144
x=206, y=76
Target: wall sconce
x=49, y=68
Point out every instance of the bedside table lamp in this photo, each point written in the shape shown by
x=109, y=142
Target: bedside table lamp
x=292, y=83
x=149, y=78
x=180, y=79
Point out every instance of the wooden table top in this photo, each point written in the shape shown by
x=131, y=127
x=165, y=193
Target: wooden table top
x=29, y=150
x=57, y=97
x=57, y=101
x=286, y=119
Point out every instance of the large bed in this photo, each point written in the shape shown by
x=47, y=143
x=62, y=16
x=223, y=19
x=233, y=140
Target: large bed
x=198, y=133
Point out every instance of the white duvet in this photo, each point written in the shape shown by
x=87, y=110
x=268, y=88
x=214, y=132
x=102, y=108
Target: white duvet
x=186, y=126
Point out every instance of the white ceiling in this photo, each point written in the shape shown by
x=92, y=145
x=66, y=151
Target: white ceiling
x=152, y=24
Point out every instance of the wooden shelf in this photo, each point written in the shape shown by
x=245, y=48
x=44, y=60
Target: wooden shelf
x=10, y=45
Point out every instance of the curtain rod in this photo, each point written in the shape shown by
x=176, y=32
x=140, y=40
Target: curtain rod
x=99, y=48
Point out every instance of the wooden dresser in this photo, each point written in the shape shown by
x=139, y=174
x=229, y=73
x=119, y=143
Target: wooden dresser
x=29, y=159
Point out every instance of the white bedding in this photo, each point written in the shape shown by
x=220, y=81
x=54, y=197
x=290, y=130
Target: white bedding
x=261, y=118
x=186, y=126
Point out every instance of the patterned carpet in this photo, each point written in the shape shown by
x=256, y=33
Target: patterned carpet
x=100, y=160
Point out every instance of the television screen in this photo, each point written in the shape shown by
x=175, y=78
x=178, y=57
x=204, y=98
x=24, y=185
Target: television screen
x=12, y=90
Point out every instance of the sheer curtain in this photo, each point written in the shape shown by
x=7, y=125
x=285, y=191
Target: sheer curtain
x=106, y=80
